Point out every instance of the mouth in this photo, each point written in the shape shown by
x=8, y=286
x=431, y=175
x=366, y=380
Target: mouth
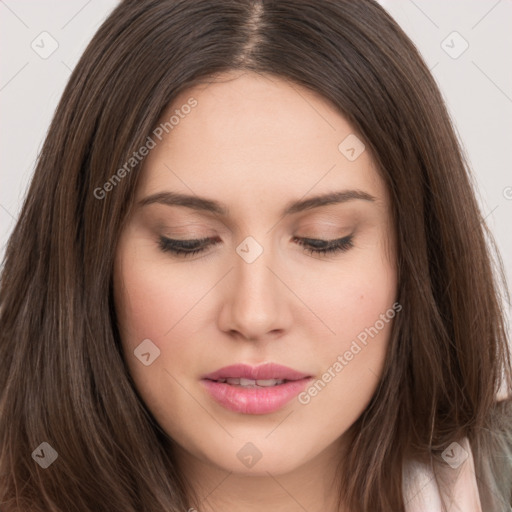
x=250, y=383
x=254, y=390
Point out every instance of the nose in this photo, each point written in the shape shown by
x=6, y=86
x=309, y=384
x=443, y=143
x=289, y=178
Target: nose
x=255, y=303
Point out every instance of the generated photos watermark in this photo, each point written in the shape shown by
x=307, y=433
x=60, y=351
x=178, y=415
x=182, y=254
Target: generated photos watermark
x=344, y=359
x=139, y=155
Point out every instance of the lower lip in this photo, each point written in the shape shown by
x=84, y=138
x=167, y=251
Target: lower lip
x=262, y=400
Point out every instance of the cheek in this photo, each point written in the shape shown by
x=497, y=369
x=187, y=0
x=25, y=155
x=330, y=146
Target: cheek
x=155, y=301
x=358, y=304
x=152, y=298
x=352, y=297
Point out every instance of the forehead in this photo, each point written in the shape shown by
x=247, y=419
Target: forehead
x=252, y=140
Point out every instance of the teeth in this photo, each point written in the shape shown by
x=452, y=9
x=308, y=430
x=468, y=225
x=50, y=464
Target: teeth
x=251, y=383
x=269, y=382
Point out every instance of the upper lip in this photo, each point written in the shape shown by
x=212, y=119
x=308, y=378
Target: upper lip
x=264, y=371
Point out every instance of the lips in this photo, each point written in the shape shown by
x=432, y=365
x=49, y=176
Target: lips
x=263, y=372
x=254, y=390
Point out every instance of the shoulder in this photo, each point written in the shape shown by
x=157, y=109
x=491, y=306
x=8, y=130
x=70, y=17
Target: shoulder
x=458, y=491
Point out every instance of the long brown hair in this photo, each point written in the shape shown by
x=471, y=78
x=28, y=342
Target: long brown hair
x=62, y=376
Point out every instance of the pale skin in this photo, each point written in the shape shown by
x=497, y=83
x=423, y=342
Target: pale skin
x=255, y=144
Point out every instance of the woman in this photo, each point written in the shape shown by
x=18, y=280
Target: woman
x=250, y=273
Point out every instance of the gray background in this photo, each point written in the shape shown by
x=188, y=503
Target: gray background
x=477, y=85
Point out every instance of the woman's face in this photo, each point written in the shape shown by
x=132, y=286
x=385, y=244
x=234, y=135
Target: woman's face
x=263, y=171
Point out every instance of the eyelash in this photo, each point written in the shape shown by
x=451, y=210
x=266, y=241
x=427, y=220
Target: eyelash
x=186, y=248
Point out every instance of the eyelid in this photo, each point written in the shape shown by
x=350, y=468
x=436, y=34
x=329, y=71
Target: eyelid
x=315, y=246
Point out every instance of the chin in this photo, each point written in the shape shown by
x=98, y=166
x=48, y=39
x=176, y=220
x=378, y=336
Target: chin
x=254, y=458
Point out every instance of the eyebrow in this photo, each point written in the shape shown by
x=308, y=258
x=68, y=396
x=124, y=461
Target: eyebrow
x=212, y=206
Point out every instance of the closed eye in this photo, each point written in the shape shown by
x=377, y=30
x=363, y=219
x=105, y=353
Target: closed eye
x=186, y=248
x=314, y=246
